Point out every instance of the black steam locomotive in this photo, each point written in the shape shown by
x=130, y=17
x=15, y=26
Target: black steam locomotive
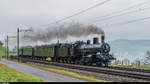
x=82, y=53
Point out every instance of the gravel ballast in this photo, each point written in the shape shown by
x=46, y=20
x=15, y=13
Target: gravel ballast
x=95, y=75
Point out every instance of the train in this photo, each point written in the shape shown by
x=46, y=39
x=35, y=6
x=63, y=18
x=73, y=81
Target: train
x=79, y=52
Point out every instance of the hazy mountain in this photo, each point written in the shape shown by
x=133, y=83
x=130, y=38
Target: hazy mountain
x=131, y=49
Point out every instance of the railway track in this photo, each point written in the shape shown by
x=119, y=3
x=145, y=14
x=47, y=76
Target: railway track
x=130, y=69
x=117, y=71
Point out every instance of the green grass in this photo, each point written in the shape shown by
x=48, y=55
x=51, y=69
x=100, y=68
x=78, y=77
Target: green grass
x=71, y=74
x=2, y=50
x=133, y=66
x=9, y=75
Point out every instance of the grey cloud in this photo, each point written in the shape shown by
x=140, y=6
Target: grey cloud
x=16, y=13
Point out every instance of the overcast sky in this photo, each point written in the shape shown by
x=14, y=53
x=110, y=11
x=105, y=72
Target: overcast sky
x=27, y=13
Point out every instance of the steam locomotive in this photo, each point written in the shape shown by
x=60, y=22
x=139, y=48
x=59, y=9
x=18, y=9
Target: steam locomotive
x=79, y=52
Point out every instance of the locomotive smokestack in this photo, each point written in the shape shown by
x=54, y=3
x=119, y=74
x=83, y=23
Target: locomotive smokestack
x=88, y=42
x=103, y=38
x=95, y=40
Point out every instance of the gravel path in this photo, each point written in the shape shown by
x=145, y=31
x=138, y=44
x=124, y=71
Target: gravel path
x=44, y=75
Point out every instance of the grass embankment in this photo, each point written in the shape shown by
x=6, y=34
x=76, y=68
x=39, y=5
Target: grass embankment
x=9, y=75
x=71, y=74
x=2, y=51
x=133, y=66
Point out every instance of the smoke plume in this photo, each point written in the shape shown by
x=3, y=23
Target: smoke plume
x=62, y=32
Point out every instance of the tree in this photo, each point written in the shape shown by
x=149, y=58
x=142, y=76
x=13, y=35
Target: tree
x=126, y=61
x=148, y=55
x=1, y=43
x=147, y=58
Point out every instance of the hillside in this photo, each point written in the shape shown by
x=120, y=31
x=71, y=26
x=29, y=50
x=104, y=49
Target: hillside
x=131, y=49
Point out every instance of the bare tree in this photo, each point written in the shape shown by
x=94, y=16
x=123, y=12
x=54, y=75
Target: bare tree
x=148, y=55
x=147, y=58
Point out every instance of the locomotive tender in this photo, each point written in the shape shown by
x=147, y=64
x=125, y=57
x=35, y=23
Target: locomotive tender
x=83, y=53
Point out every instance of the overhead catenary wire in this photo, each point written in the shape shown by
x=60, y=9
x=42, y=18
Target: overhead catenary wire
x=126, y=13
x=126, y=9
x=66, y=18
x=141, y=9
x=127, y=22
